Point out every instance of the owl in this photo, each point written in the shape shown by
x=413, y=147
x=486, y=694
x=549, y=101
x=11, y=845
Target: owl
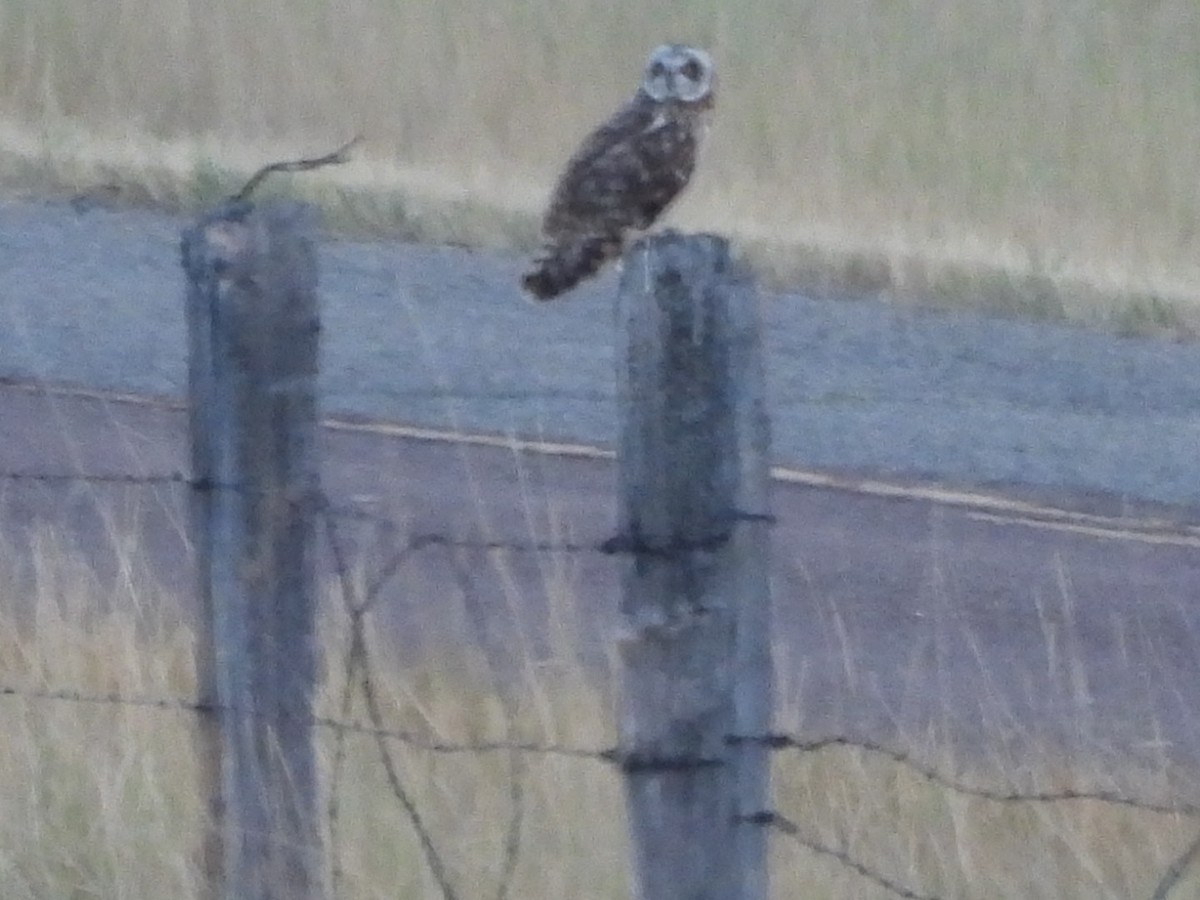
x=627, y=171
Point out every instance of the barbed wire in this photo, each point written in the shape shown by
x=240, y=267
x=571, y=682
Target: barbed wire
x=437, y=539
x=359, y=601
x=315, y=501
x=1175, y=871
x=148, y=478
x=931, y=774
x=787, y=827
x=614, y=755
x=433, y=392
x=411, y=739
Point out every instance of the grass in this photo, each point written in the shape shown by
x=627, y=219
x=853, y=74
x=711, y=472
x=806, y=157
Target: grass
x=105, y=801
x=1024, y=156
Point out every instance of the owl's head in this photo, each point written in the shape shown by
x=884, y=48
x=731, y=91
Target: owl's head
x=678, y=72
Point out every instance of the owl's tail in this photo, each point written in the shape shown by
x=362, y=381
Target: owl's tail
x=565, y=263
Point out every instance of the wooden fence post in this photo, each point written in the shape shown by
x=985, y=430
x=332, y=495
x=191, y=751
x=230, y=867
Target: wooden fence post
x=253, y=334
x=693, y=519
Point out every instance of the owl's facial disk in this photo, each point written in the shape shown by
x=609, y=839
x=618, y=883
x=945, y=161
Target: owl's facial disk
x=678, y=72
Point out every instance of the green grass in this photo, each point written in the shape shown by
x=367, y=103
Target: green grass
x=1012, y=155
x=106, y=802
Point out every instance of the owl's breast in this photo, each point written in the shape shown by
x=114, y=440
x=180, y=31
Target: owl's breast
x=674, y=140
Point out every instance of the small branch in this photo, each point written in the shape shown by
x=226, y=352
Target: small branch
x=336, y=158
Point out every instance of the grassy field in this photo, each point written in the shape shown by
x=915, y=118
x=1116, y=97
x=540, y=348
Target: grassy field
x=105, y=802
x=1029, y=156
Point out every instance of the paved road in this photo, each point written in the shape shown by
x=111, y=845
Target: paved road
x=899, y=609
x=440, y=336
x=907, y=609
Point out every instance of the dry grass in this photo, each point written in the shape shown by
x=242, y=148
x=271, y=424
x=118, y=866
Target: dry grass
x=1025, y=155
x=104, y=802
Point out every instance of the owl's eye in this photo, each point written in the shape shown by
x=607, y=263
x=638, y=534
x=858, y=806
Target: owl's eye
x=691, y=70
x=657, y=69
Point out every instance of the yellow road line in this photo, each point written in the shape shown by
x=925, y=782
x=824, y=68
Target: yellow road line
x=998, y=507
x=516, y=444
x=987, y=506
x=996, y=504
x=1177, y=538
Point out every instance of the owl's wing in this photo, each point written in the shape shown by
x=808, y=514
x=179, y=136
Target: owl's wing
x=625, y=174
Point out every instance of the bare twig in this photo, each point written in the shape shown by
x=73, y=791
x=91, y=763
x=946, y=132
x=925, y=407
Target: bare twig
x=336, y=158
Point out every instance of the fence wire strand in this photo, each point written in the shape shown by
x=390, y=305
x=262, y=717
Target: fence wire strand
x=610, y=755
x=357, y=664
x=786, y=742
x=786, y=827
x=408, y=738
x=358, y=675
x=1175, y=871
x=147, y=478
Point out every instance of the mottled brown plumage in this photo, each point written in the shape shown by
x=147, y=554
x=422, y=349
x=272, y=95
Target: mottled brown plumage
x=627, y=172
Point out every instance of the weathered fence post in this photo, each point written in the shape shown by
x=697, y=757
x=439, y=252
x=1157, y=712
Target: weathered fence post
x=253, y=333
x=693, y=519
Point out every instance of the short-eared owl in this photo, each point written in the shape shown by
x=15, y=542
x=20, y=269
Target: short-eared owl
x=627, y=171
